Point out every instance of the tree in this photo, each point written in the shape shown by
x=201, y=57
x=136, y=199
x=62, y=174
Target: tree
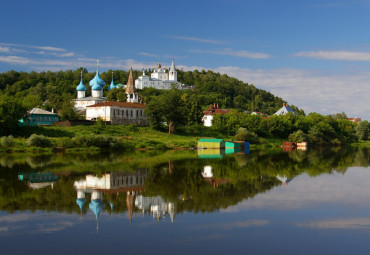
x=363, y=130
x=11, y=111
x=168, y=108
x=193, y=109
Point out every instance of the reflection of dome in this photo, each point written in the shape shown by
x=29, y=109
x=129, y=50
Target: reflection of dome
x=96, y=206
x=80, y=202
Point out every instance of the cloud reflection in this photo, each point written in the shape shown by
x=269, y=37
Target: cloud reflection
x=354, y=223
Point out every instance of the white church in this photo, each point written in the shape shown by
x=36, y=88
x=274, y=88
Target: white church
x=159, y=79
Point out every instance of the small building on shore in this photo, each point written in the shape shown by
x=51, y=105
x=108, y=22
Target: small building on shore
x=39, y=117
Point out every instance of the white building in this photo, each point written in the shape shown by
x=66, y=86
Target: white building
x=159, y=79
x=130, y=112
x=285, y=110
x=97, y=84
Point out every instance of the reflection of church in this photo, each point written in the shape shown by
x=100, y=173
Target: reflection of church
x=284, y=180
x=113, y=183
x=127, y=182
x=156, y=206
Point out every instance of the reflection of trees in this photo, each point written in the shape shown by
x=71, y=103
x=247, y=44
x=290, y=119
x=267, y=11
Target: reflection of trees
x=179, y=180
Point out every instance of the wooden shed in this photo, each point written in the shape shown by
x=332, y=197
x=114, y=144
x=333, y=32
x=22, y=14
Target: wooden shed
x=211, y=143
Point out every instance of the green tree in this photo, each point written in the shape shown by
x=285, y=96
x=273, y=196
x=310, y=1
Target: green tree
x=363, y=130
x=168, y=108
x=11, y=111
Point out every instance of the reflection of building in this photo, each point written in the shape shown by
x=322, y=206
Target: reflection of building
x=208, y=177
x=113, y=183
x=156, y=206
x=39, y=180
x=284, y=180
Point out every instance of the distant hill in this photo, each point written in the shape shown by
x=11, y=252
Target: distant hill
x=56, y=87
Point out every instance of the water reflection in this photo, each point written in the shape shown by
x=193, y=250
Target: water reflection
x=187, y=181
x=193, y=202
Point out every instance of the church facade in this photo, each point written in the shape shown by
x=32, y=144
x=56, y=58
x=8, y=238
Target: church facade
x=159, y=79
x=125, y=113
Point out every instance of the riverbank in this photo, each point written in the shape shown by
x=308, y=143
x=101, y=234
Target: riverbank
x=115, y=138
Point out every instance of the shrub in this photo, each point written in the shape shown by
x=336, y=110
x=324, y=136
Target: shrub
x=39, y=141
x=100, y=141
x=244, y=135
x=298, y=137
x=7, y=141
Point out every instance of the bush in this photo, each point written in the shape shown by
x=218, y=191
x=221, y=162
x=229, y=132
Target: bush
x=39, y=141
x=7, y=141
x=244, y=135
x=298, y=137
x=99, y=141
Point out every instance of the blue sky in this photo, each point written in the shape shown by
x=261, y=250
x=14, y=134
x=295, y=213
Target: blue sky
x=315, y=54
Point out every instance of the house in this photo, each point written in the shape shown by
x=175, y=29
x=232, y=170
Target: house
x=285, y=110
x=210, y=112
x=118, y=113
x=354, y=120
x=39, y=117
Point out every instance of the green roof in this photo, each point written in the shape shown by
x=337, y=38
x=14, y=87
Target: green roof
x=210, y=140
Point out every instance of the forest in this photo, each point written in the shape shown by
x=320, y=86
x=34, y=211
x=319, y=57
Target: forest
x=178, y=110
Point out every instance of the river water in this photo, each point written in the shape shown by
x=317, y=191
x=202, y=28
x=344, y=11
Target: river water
x=186, y=202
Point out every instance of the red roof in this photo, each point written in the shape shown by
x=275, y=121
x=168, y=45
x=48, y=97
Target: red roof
x=212, y=110
x=119, y=104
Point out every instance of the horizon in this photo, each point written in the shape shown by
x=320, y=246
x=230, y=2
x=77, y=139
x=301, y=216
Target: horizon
x=314, y=55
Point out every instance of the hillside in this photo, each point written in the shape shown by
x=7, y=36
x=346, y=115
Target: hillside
x=53, y=89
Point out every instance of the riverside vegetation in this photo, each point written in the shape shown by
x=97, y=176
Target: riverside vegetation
x=176, y=112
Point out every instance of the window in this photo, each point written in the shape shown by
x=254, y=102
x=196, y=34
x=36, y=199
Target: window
x=132, y=113
x=126, y=113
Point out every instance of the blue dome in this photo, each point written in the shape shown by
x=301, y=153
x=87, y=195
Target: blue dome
x=96, y=87
x=81, y=86
x=80, y=202
x=97, y=80
x=111, y=86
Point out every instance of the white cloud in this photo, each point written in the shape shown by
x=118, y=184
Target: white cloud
x=230, y=52
x=67, y=54
x=47, y=48
x=336, y=55
x=311, y=90
x=4, y=49
x=195, y=39
x=148, y=54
